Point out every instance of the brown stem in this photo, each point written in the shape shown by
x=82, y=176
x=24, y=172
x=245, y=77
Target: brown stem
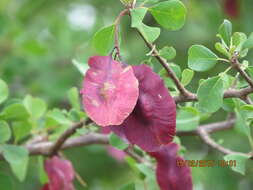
x=237, y=66
x=60, y=141
x=208, y=140
x=184, y=92
x=231, y=93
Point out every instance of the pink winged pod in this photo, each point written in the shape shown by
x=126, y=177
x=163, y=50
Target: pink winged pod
x=171, y=174
x=60, y=173
x=153, y=120
x=110, y=91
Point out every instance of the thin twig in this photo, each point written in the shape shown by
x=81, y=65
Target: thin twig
x=184, y=92
x=235, y=63
x=210, y=128
x=60, y=141
x=208, y=140
x=231, y=93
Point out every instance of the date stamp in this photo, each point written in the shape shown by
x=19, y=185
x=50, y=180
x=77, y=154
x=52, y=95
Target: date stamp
x=206, y=163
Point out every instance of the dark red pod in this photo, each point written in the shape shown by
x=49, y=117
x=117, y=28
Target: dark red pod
x=232, y=8
x=153, y=120
x=60, y=174
x=170, y=173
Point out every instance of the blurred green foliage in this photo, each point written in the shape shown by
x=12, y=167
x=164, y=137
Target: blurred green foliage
x=38, y=40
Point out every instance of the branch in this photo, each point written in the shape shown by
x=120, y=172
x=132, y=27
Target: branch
x=60, y=141
x=44, y=148
x=237, y=66
x=210, y=128
x=231, y=93
x=208, y=140
x=184, y=92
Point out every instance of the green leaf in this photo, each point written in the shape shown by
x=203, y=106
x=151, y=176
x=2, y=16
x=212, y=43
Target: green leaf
x=238, y=40
x=42, y=173
x=127, y=2
x=169, y=14
x=241, y=125
x=149, y=33
x=248, y=44
x=225, y=31
x=187, y=119
x=21, y=129
x=168, y=53
x=220, y=47
x=187, y=76
x=210, y=94
x=148, y=2
x=117, y=142
x=6, y=182
x=132, y=164
x=4, y=91
x=228, y=105
x=150, y=178
x=18, y=158
x=36, y=107
x=73, y=96
x=15, y=111
x=58, y=116
x=201, y=58
x=103, y=40
x=164, y=74
x=5, y=132
x=240, y=161
x=82, y=67
x=129, y=186
x=250, y=71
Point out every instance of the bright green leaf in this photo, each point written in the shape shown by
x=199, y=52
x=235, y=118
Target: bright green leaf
x=250, y=71
x=35, y=106
x=187, y=119
x=238, y=40
x=225, y=31
x=220, y=47
x=15, y=111
x=4, y=91
x=129, y=186
x=248, y=44
x=187, y=76
x=150, y=178
x=73, y=96
x=168, y=53
x=58, y=116
x=103, y=40
x=127, y=2
x=228, y=105
x=149, y=33
x=164, y=74
x=169, y=14
x=117, y=142
x=5, y=132
x=210, y=94
x=240, y=161
x=241, y=124
x=201, y=58
x=42, y=173
x=18, y=158
x=82, y=67
x=21, y=129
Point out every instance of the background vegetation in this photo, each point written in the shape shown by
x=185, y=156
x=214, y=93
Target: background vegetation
x=39, y=39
